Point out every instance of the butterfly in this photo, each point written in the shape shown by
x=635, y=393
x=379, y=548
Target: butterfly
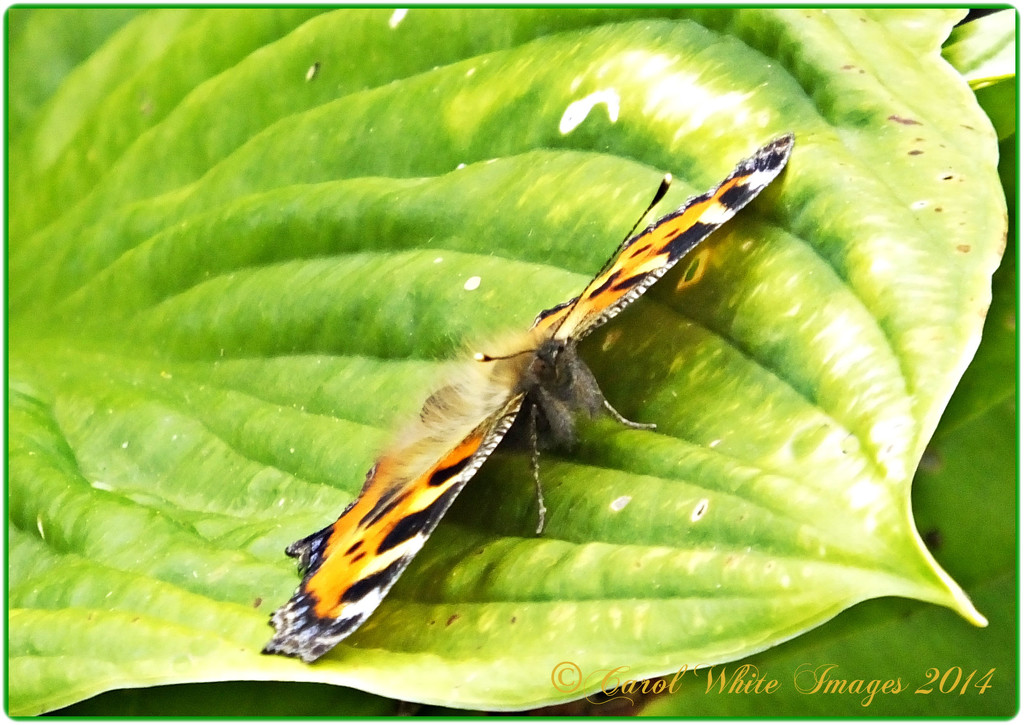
x=537, y=381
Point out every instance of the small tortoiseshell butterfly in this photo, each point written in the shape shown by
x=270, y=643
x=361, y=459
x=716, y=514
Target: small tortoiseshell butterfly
x=350, y=565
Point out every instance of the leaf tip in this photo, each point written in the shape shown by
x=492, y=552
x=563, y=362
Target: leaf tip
x=961, y=603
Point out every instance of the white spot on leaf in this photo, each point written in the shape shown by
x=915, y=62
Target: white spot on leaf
x=864, y=493
x=577, y=111
x=620, y=503
x=397, y=17
x=699, y=510
x=471, y=284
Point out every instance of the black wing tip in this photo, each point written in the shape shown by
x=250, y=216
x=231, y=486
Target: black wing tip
x=775, y=153
x=300, y=633
x=783, y=143
x=787, y=139
x=289, y=647
x=765, y=164
x=286, y=644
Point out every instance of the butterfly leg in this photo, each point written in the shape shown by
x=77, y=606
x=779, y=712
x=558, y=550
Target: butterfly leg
x=626, y=421
x=535, y=465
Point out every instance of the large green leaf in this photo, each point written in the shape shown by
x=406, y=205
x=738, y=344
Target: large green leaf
x=219, y=315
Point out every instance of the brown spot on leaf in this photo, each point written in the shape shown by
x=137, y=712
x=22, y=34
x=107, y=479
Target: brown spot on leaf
x=915, y=152
x=450, y=620
x=904, y=121
x=257, y=602
x=963, y=248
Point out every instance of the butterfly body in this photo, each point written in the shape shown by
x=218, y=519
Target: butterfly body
x=537, y=382
x=558, y=386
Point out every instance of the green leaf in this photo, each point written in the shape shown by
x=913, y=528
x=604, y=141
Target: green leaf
x=985, y=50
x=992, y=376
x=999, y=100
x=220, y=315
x=44, y=48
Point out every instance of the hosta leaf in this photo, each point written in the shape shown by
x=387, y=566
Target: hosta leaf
x=219, y=315
x=984, y=50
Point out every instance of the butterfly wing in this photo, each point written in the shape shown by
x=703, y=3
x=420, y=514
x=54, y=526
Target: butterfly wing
x=350, y=565
x=644, y=258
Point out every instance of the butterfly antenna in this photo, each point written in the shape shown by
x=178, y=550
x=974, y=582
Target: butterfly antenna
x=663, y=187
x=483, y=357
x=666, y=182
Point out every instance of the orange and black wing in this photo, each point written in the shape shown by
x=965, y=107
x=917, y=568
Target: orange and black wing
x=644, y=258
x=351, y=565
